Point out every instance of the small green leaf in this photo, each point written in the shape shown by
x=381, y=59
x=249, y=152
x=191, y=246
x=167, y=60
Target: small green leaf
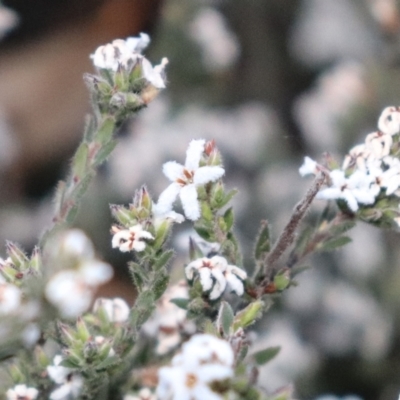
x=80, y=161
x=109, y=362
x=266, y=355
x=248, y=315
x=160, y=283
x=225, y=318
x=105, y=131
x=163, y=259
x=282, y=279
x=263, y=243
x=334, y=243
x=204, y=233
x=104, y=152
x=180, y=302
x=142, y=309
x=206, y=212
x=229, y=218
x=337, y=230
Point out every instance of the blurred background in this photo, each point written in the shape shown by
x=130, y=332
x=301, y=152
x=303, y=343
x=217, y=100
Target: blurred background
x=271, y=81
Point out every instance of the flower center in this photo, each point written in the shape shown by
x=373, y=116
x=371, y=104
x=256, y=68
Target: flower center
x=187, y=178
x=191, y=381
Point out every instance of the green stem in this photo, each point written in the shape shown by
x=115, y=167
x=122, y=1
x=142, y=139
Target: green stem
x=95, y=148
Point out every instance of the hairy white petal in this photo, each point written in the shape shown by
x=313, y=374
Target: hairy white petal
x=207, y=174
x=167, y=198
x=309, y=167
x=194, y=153
x=190, y=204
x=173, y=170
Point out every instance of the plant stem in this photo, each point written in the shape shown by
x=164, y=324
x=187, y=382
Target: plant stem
x=287, y=236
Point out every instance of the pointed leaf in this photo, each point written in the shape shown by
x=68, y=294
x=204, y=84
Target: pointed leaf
x=266, y=355
x=180, y=302
x=335, y=243
x=225, y=318
x=263, y=243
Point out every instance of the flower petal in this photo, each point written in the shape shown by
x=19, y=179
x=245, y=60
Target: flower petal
x=204, y=175
x=173, y=170
x=194, y=153
x=167, y=198
x=190, y=204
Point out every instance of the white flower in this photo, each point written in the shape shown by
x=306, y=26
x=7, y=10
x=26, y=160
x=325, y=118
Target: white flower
x=378, y=144
x=130, y=239
x=309, y=167
x=22, y=392
x=117, y=309
x=10, y=297
x=388, y=178
x=71, y=291
x=389, y=121
x=358, y=188
x=74, y=243
x=215, y=275
x=120, y=52
x=185, y=179
x=204, y=359
x=358, y=155
x=70, y=384
x=155, y=76
x=234, y=278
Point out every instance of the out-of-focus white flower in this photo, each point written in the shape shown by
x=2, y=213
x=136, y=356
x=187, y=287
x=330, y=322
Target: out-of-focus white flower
x=215, y=275
x=378, y=144
x=31, y=334
x=10, y=297
x=74, y=243
x=72, y=290
x=389, y=121
x=144, y=394
x=22, y=392
x=185, y=179
x=169, y=323
x=130, y=239
x=309, y=167
x=388, y=178
x=125, y=54
x=70, y=383
x=219, y=46
x=358, y=188
x=204, y=360
x=117, y=309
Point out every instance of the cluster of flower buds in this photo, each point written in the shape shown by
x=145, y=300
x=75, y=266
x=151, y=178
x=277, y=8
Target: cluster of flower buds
x=71, y=288
x=127, y=81
x=368, y=182
x=201, y=371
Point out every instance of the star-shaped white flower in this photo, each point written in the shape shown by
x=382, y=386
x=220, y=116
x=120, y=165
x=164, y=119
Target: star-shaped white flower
x=204, y=359
x=185, y=179
x=130, y=239
x=358, y=188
